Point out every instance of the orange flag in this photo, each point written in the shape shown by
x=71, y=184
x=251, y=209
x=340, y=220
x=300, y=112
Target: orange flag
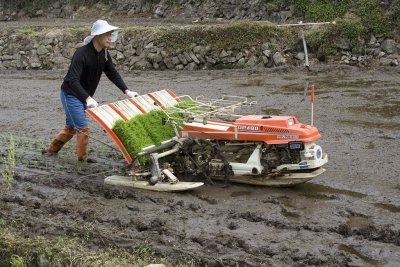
x=312, y=93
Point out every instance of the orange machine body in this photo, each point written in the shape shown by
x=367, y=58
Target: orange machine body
x=254, y=128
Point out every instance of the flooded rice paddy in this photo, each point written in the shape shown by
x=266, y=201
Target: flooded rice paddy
x=349, y=216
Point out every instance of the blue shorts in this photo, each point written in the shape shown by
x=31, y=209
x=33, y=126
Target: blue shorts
x=74, y=111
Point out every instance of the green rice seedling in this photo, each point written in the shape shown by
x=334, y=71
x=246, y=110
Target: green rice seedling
x=149, y=128
x=188, y=104
x=182, y=112
x=133, y=135
x=18, y=158
x=57, y=167
x=29, y=144
x=36, y=164
x=42, y=145
x=78, y=167
x=101, y=150
x=25, y=141
x=19, y=141
x=114, y=155
x=68, y=151
x=153, y=124
x=8, y=165
x=144, y=248
x=25, y=162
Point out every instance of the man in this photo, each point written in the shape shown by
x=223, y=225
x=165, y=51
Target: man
x=80, y=83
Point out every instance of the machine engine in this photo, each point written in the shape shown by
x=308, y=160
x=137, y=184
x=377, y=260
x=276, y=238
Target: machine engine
x=257, y=159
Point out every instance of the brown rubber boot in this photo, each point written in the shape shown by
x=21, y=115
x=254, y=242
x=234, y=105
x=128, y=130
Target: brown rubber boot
x=82, y=140
x=61, y=138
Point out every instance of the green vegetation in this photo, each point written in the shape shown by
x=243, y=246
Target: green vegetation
x=153, y=124
x=8, y=165
x=27, y=31
x=321, y=10
x=187, y=104
x=371, y=16
x=79, y=31
x=143, y=130
x=17, y=261
x=16, y=250
x=369, y=12
x=150, y=128
x=133, y=135
x=347, y=33
x=235, y=35
x=394, y=16
x=76, y=33
x=21, y=151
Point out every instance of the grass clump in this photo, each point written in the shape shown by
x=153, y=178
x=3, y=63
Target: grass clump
x=235, y=35
x=79, y=31
x=372, y=17
x=321, y=10
x=346, y=34
x=27, y=31
x=17, y=250
x=394, y=17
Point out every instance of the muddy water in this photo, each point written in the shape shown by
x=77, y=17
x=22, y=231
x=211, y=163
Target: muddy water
x=349, y=216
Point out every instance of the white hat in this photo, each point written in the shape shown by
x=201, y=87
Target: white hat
x=100, y=27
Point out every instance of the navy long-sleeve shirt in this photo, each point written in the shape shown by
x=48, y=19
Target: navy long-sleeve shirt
x=85, y=71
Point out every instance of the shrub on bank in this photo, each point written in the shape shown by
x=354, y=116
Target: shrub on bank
x=370, y=13
x=345, y=34
x=325, y=10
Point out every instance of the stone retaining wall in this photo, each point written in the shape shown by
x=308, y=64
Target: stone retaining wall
x=53, y=49
x=141, y=50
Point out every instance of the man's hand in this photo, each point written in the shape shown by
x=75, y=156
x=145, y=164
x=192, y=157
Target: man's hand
x=131, y=94
x=91, y=103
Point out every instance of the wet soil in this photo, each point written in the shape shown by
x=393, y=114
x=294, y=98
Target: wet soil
x=349, y=216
